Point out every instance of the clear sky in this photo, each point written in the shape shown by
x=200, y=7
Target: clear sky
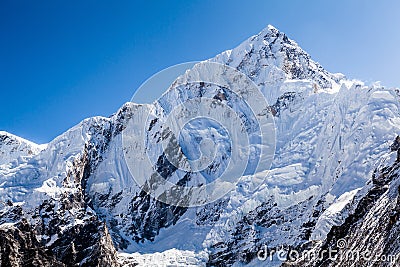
x=63, y=61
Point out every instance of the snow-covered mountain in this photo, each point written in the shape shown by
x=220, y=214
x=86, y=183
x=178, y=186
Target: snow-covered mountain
x=13, y=147
x=334, y=174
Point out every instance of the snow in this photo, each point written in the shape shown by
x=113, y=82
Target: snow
x=15, y=150
x=334, y=214
x=6, y=225
x=285, y=176
x=52, y=240
x=172, y=257
x=50, y=188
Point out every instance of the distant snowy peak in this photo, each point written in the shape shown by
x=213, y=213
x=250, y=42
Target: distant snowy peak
x=12, y=147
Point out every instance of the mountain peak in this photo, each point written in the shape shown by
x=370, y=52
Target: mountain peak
x=271, y=31
x=272, y=34
x=271, y=28
x=271, y=53
x=12, y=147
x=4, y=136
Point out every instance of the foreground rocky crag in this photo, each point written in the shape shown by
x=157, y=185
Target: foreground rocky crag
x=334, y=177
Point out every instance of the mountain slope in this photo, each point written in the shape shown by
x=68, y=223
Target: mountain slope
x=369, y=235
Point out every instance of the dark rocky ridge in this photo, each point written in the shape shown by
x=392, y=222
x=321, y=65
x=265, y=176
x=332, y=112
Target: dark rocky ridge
x=19, y=247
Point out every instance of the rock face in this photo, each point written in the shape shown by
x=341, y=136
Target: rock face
x=62, y=229
x=334, y=175
x=88, y=245
x=396, y=147
x=370, y=234
x=19, y=247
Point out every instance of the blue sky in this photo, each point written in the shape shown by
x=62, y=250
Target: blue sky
x=63, y=61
